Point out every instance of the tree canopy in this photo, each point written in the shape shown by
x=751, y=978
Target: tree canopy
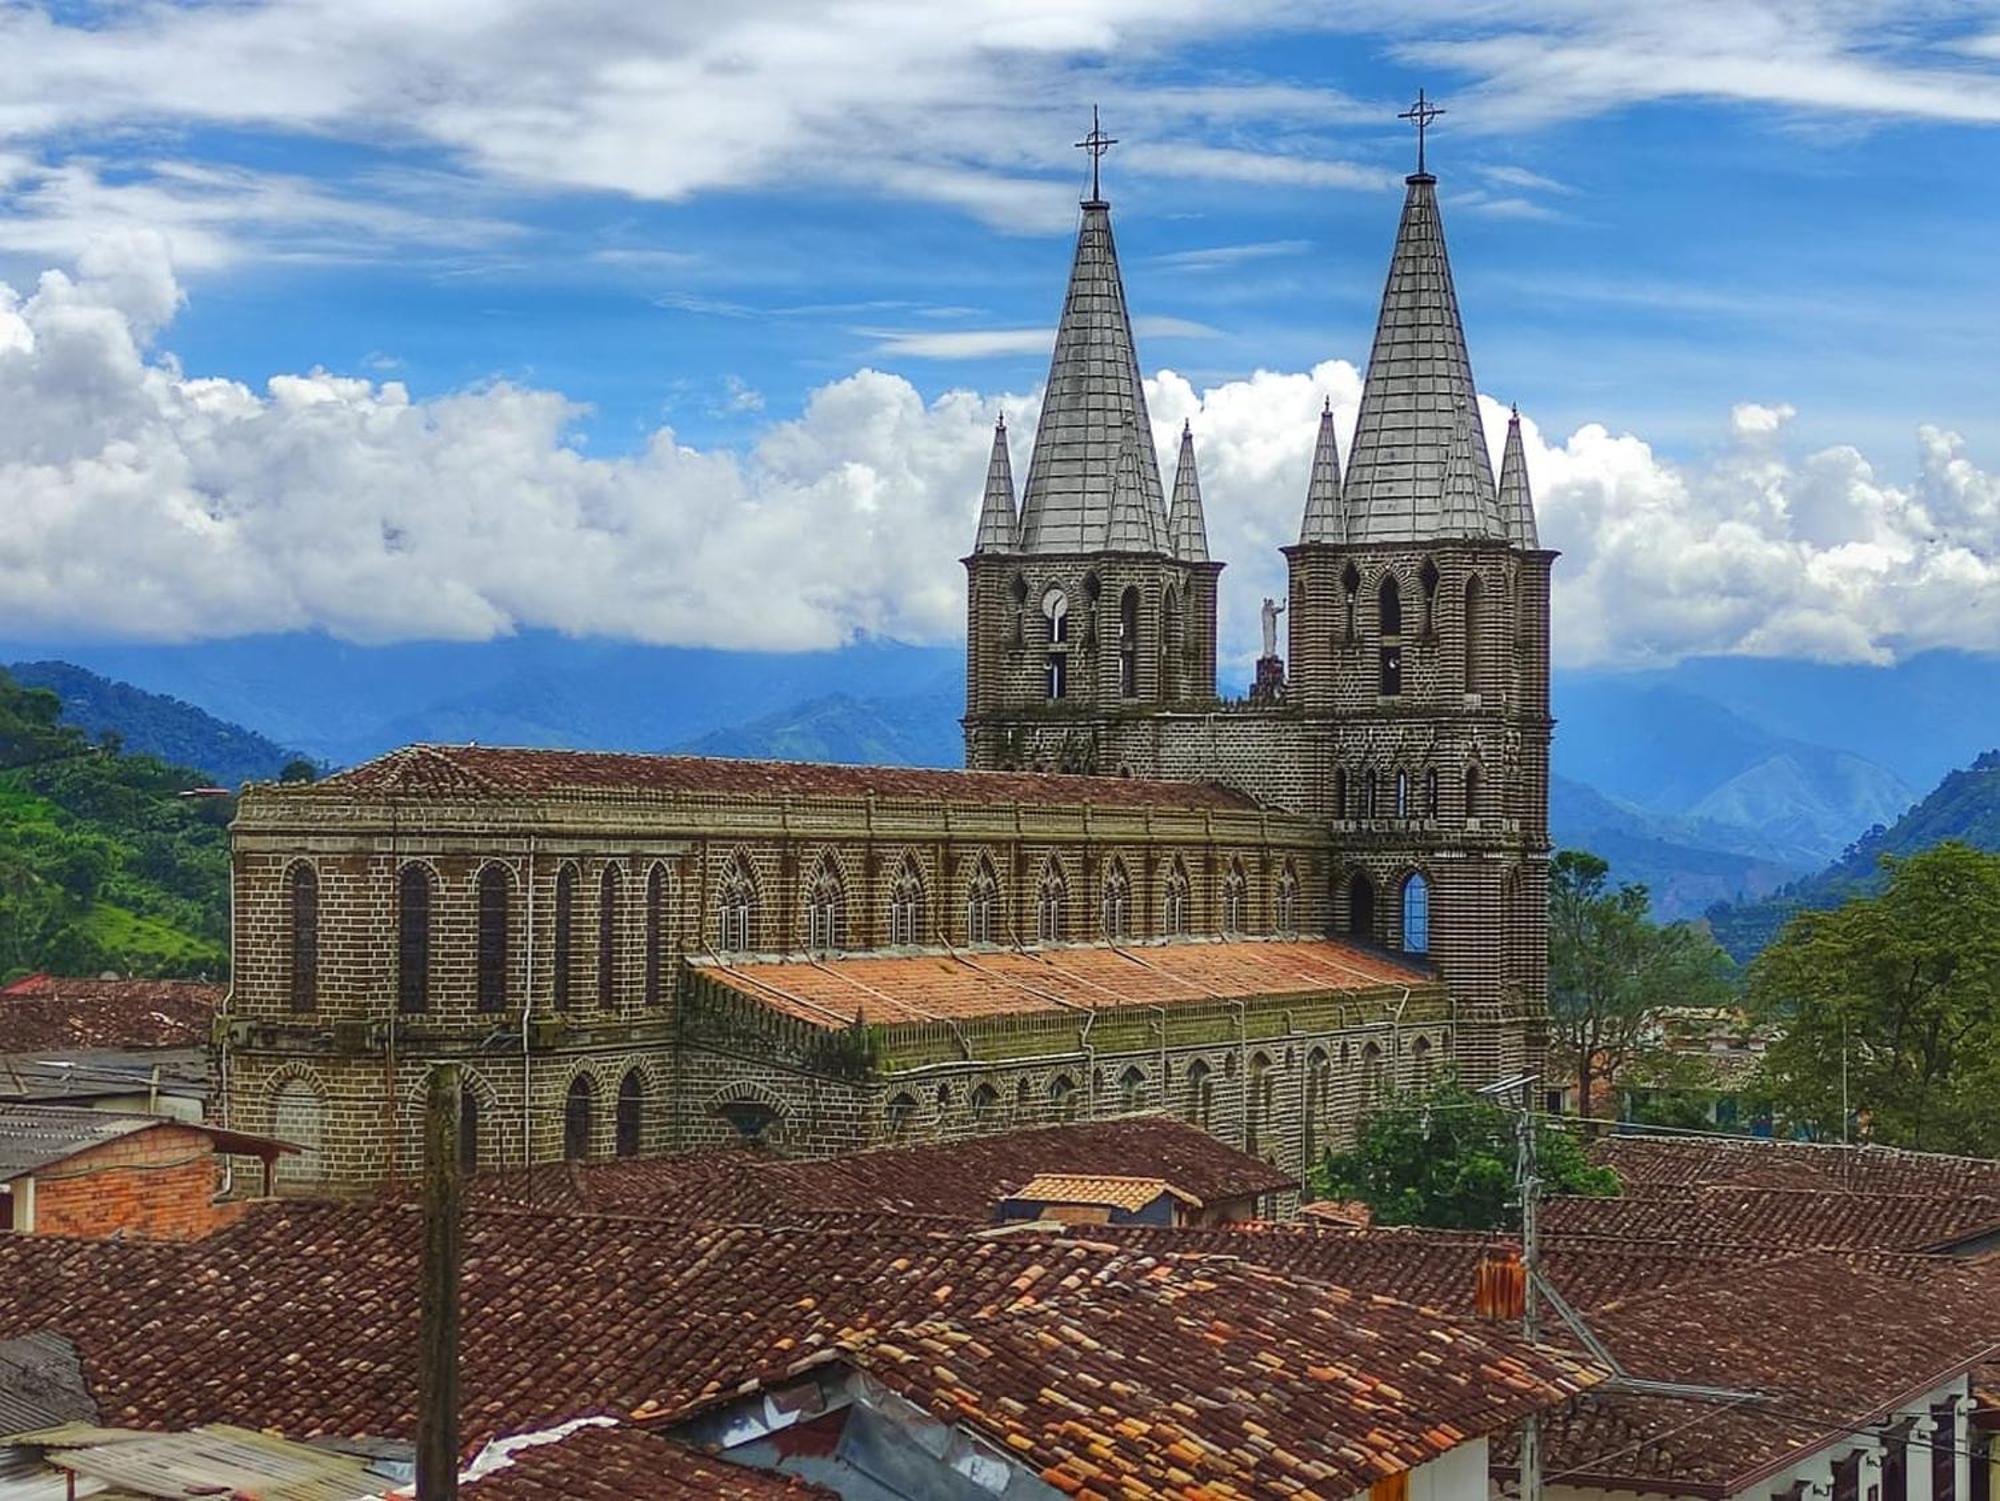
x=1889, y=1008
x=1448, y=1159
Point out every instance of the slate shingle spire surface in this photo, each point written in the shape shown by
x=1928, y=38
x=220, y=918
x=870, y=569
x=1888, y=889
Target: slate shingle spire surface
x=1187, y=528
x=1326, y=516
x=1134, y=525
x=1464, y=510
x=1093, y=406
x=1419, y=381
x=1517, y=503
x=996, y=511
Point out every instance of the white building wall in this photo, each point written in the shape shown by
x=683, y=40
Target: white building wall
x=1459, y=1475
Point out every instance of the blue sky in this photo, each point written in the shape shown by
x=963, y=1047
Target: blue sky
x=673, y=226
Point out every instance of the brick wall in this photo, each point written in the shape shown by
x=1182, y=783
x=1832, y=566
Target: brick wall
x=160, y=1183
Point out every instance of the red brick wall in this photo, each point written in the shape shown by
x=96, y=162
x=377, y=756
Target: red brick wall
x=157, y=1184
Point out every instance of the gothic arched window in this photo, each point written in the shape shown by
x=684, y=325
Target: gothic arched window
x=305, y=937
x=1471, y=793
x=1257, y=1111
x=736, y=908
x=982, y=905
x=1402, y=793
x=413, y=940
x=826, y=909
x=563, y=959
x=656, y=935
x=1132, y=1087
x=1171, y=645
x=1428, y=577
x=1055, y=612
x=1200, y=1093
x=1117, y=902
x=1235, y=899
x=1361, y=906
x=1174, y=905
x=1371, y=1075
x=610, y=887
x=1368, y=799
x=1128, y=643
x=630, y=1124
x=902, y=1111
x=1474, y=625
x=985, y=1103
x=1431, y=793
x=579, y=1118
x=1319, y=1082
x=1389, y=612
x=906, y=904
x=1416, y=913
x=1350, y=596
x=1288, y=903
x=1062, y=1096
x=1050, y=901
x=1420, y=1063
x=495, y=893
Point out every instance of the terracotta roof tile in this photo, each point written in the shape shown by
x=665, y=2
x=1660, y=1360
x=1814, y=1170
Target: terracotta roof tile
x=833, y=992
x=46, y=1013
x=1644, y=1163
x=453, y=771
x=1788, y=1217
x=1101, y=1188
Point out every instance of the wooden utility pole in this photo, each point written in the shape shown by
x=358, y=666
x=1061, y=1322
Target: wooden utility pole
x=437, y=1358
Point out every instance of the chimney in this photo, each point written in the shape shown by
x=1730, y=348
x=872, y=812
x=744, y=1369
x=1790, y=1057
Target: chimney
x=1500, y=1290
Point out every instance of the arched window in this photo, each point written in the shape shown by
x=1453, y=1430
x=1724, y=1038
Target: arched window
x=1428, y=577
x=1416, y=913
x=468, y=1130
x=1474, y=625
x=1062, y=1096
x=1371, y=1075
x=413, y=940
x=610, y=888
x=1288, y=903
x=982, y=905
x=985, y=1104
x=495, y=892
x=1023, y=1100
x=1431, y=793
x=1128, y=643
x=656, y=935
x=1471, y=793
x=1174, y=905
x=902, y=1112
x=1200, y=1093
x=1050, y=903
x=1319, y=1082
x=298, y=1116
x=1340, y=792
x=563, y=959
x=1361, y=906
x=1235, y=899
x=906, y=904
x=1350, y=595
x=1171, y=645
x=736, y=908
x=749, y=1119
x=1117, y=902
x=943, y=1101
x=631, y=1120
x=305, y=937
x=579, y=1118
x=1368, y=798
x=1389, y=608
x=826, y=908
x=1263, y=1085
x=1055, y=611
x=1402, y=793
x=1420, y=1063
x=1132, y=1087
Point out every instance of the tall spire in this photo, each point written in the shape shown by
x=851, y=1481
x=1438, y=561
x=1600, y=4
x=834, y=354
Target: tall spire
x=1187, y=528
x=1517, y=505
x=1326, y=517
x=1463, y=509
x=1093, y=404
x=1419, y=380
x=996, y=511
x=1133, y=524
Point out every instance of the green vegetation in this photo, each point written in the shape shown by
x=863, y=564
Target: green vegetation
x=103, y=865
x=1890, y=1008
x=1613, y=971
x=1447, y=1159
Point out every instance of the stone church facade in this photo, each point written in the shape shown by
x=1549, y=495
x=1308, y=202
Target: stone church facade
x=1258, y=916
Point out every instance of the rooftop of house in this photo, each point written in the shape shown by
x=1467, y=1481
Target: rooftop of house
x=34, y=1136
x=961, y=985
x=213, y=1460
x=957, y=1181
x=602, y=1460
x=1796, y=1217
x=1647, y=1162
x=46, y=1013
x=1106, y=1189
x=78, y=1075
x=485, y=771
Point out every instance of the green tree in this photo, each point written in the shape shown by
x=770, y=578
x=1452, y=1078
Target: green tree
x=1613, y=971
x=298, y=769
x=1890, y=1007
x=1448, y=1159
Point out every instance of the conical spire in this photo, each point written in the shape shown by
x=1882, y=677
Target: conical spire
x=996, y=511
x=1462, y=510
x=1094, y=404
x=1187, y=529
x=1326, y=517
x=1133, y=525
x=1517, y=505
x=1419, y=380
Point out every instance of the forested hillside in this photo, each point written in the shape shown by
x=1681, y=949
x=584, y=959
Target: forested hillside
x=103, y=865
x=1965, y=806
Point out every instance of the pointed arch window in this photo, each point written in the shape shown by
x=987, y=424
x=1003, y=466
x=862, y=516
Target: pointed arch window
x=1472, y=791
x=1428, y=577
x=1235, y=900
x=1062, y=1097
x=1402, y=793
x=736, y=909
x=982, y=905
x=629, y=1127
x=1368, y=787
x=610, y=890
x=1288, y=903
x=564, y=957
x=1200, y=1093
x=1350, y=601
x=304, y=915
x=413, y=940
x=1416, y=913
x=1420, y=1063
x=1431, y=793
x=1262, y=1092
x=1132, y=1087
x=902, y=1114
x=656, y=935
x=496, y=890
x=1371, y=1075
x=1475, y=626
x=1174, y=906
x=1051, y=900
x=826, y=909
x=579, y=1119
x=906, y=904
x=1117, y=902
x=1128, y=643
x=1171, y=645
x=1389, y=620
x=985, y=1102
x=1361, y=907
x=1319, y=1082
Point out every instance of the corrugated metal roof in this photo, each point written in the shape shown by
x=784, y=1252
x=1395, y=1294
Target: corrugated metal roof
x=220, y=1459
x=33, y=1136
x=41, y=1384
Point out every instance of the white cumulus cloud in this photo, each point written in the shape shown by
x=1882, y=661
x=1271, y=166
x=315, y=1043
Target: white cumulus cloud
x=146, y=501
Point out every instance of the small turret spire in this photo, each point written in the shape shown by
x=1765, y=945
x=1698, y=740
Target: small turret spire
x=1517, y=504
x=1187, y=528
x=1134, y=525
x=1463, y=509
x=996, y=512
x=1326, y=517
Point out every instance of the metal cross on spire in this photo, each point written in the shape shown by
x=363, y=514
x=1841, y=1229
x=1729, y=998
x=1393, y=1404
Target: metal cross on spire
x=1096, y=143
x=1421, y=114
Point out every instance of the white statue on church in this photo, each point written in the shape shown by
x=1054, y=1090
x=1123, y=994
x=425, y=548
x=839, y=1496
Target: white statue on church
x=1272, y=610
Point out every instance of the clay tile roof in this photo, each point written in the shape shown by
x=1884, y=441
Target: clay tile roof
x=599, y=1462
x=1789, y=1217
x=1646, y=1163
x=956, y=1182
x=931, y=987
x=1114, y=1192
x=45, y=1013
x=478, y=771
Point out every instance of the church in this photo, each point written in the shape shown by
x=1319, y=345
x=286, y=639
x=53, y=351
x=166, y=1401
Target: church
x=1259, y=915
